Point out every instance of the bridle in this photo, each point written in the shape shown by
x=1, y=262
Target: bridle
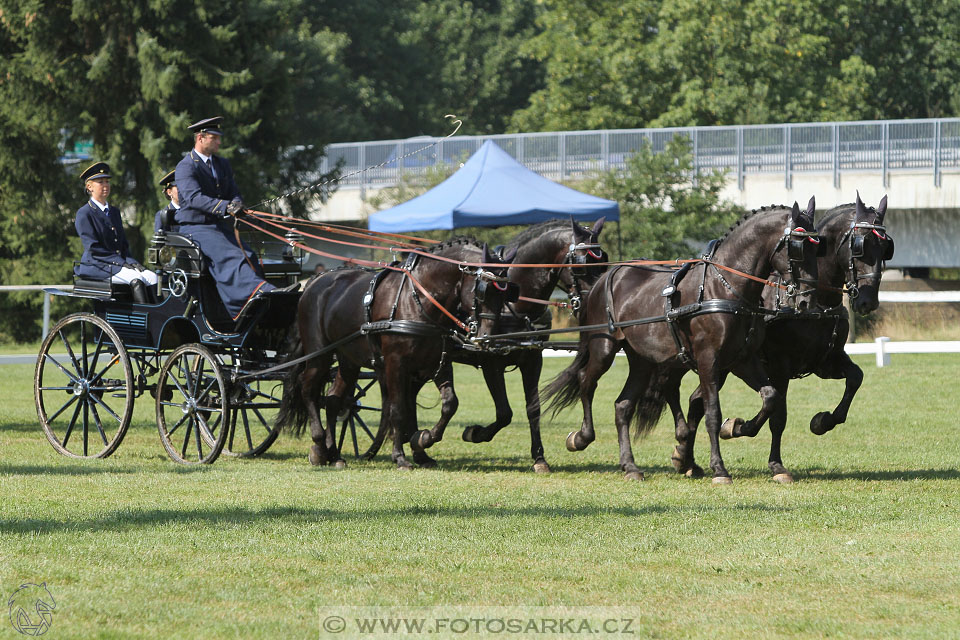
x=795, y=240
x=579, y=257
x=855, y=243
x=482, y=282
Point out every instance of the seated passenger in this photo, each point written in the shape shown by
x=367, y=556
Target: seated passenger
x=165, y=217
x=106, y=253
x=209, y=198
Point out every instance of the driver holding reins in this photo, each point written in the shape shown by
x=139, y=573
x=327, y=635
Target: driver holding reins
x=209, y=200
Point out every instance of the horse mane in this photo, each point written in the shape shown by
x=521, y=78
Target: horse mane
x=749, y=216
x=455, y=241
x=532, y=232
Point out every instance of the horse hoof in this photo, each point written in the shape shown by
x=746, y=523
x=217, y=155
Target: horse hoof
x=677, y=460
x=316, y=456
x=541, y=467
x=421, y=440
x=694, y=472
x=783, y=478
x=470, y=433
x=340, y=464
x=633, y=475
x=821, y=423
x=404, y=466
x=572, y=442
x=728, y=427
x=722, y=480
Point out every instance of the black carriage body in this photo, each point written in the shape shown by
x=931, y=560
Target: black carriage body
x=185, y=334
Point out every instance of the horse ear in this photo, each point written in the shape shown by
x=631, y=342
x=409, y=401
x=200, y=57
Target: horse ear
x=812, y=207
x=881, y=211
x=795, y=213
x=578, y=231
x=861, y=208
x=485, y=258
x=597, y=226
x=510, y=255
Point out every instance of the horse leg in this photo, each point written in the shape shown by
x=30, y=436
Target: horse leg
x=710, y=395
x=343, y=385
x=393, y=417
x=496, y=384
x=839, y=365
x=311, y=387
x=778, y=421
x=410, y=424
x=602, y=353
x=424, y=439
x=530, y=369
x=685, y=428
x=753, y=373
x=624, y=410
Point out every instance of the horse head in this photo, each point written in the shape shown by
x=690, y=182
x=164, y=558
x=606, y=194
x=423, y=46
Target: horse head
x=798, y=264
x=865, y=247
x=585, y=251
x=491, y=290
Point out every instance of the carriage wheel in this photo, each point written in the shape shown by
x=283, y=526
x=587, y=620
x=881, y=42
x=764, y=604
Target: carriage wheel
x=350, y=418
x=84, y=398
x=254, y=405
x=192, y=411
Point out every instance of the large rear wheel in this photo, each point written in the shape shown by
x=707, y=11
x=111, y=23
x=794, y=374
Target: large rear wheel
x=84, y=396
x=192, y=408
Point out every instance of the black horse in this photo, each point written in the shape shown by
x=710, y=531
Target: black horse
x=855, y=245
x=385, y=320
x=552, y=242
x=702, y=317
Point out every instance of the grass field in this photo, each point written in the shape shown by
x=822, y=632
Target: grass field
x=866, y=543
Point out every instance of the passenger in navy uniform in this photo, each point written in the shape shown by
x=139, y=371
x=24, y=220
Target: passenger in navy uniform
x=209, y=198
x=164, y=219
x=106, y=252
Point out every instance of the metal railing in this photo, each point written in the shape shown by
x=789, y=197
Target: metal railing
x=924, y=146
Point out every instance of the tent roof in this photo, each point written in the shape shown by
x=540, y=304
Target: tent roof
x=492, y=189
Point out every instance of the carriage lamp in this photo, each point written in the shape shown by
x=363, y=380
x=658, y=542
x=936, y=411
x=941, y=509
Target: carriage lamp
x=157, y=243
x=292, y=252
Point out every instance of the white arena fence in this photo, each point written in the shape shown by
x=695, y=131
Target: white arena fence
x=881, y=347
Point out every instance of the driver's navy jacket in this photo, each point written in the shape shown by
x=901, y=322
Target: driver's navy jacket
x=203, y=198
x=105, y=247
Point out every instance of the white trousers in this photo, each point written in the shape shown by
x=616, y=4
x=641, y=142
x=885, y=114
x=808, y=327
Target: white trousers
x=126, y=275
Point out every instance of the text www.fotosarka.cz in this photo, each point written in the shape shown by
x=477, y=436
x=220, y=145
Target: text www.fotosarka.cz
x=478, y=622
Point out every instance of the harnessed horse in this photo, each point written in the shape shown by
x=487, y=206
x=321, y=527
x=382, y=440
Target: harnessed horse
x=551, y=242
x=405, y=339
x=668, y=323
x=855, y=245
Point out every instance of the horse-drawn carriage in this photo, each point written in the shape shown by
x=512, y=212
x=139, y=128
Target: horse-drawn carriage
x=225, y=384
x=209, y=375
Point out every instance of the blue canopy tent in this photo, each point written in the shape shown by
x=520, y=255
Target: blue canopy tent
x=492, y=189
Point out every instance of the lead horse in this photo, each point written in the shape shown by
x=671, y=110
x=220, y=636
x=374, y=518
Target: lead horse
x=385, y=320
x=855, y=245
x=702, y=317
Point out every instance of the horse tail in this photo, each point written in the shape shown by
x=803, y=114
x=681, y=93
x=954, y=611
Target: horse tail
x=564, y=390
x=293, y=410
x=650, y=407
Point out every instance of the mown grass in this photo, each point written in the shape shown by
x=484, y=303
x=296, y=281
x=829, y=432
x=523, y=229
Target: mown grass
x=865, y=544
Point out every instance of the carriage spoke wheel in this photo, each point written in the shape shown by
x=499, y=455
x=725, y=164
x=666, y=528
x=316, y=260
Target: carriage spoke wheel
x=83, y=387
x=192, y=411
x=351, y=419
x=254, y=405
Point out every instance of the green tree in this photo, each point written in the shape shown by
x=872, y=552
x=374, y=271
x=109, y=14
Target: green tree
x=666, y=210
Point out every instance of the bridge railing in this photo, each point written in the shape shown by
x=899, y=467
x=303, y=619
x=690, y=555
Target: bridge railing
x=926, y=146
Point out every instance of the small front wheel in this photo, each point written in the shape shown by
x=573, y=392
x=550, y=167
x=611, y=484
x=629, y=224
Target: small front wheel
x=192, y=411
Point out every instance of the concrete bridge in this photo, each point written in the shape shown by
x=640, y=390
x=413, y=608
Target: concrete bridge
x=916, y=163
